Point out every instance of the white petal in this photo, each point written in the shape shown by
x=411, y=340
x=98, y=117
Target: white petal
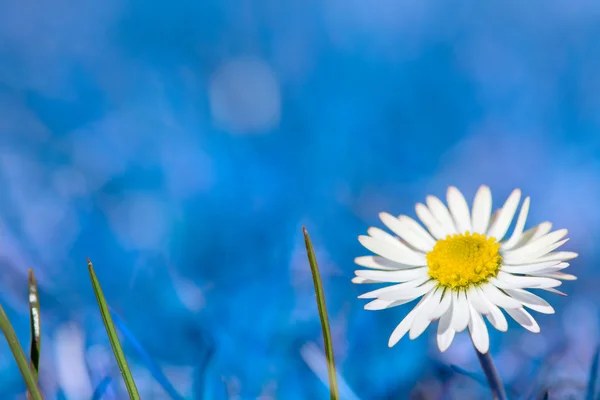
x=417, y=229
x=459, y=209
x=378, y=262
x=533, y=233
x=509, y=281
x=507, y=212
x=530, y=268
x=493, y=218
x=359, y=280
x=524, y=319
x=559, y=275
x=445, y=333
x=551, y=270
x=496, y=318
x=441, y=213
x=446, y=319
x=402, y=328
x=476, y=301
x=445, y=304
x=404, y=275
x=378, y=304
x=409, y=292
x=479, y=332
x=520, y=225
x=437, y=296
x=555, y=291
x=535, y=248
x=460, y=311
x=407, y=232
x=531, y=300
x=482, y=209
x=433, y=225
x=497, y=297
x=394, y=288
x=423, y=319
x=404, y=325
x=395, y=252
x=558, y=256
x=543, y=229
x=546, y=250
x=382, y=235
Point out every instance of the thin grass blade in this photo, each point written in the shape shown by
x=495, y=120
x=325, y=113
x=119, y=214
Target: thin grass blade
x=314, y=267
x=482, y=380
x=112, y=335
x=20, y=357
x=473, y=375
x=35, y=323
x=314, y=357
x=145, y=357
x=591, y=387
x=205, y=360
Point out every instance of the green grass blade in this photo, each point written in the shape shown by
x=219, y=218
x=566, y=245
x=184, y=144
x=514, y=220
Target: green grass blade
x=35, y=323
x=112, y=335
x=20, y=357
x=314, y=267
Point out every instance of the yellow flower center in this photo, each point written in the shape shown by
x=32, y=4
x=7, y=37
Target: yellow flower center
x=463, y=260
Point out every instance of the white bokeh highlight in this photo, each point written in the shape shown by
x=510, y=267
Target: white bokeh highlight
x=245, y=97
x=140, y=222
x=69, y=353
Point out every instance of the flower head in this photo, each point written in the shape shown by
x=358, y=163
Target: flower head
x=463, y=267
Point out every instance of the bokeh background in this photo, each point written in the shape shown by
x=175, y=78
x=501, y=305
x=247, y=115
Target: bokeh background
x=183, y=145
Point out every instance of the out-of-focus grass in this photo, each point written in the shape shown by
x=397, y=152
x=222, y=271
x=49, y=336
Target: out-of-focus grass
x=473, y=375
x=591, y=388
x=102, y=387
x=145, y=357
x=479, y=379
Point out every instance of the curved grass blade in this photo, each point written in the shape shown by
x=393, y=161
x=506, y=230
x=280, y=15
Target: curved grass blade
x=112, y=335
x=473, y=375
x=314, y=267
x=205, y=360
x=102, y=388
x=146, y=359
x=591, y=388
x=479, y=378
x=35, y=323
x=202, y=368
x=20, y=357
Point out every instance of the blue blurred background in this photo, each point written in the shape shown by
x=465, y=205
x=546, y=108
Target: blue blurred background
x=183, y=145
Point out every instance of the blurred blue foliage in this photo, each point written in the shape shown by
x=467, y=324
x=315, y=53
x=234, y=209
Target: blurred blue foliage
x=182, y=145
x=102, y=388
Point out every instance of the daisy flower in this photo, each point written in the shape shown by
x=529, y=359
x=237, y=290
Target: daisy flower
x=463, y=266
